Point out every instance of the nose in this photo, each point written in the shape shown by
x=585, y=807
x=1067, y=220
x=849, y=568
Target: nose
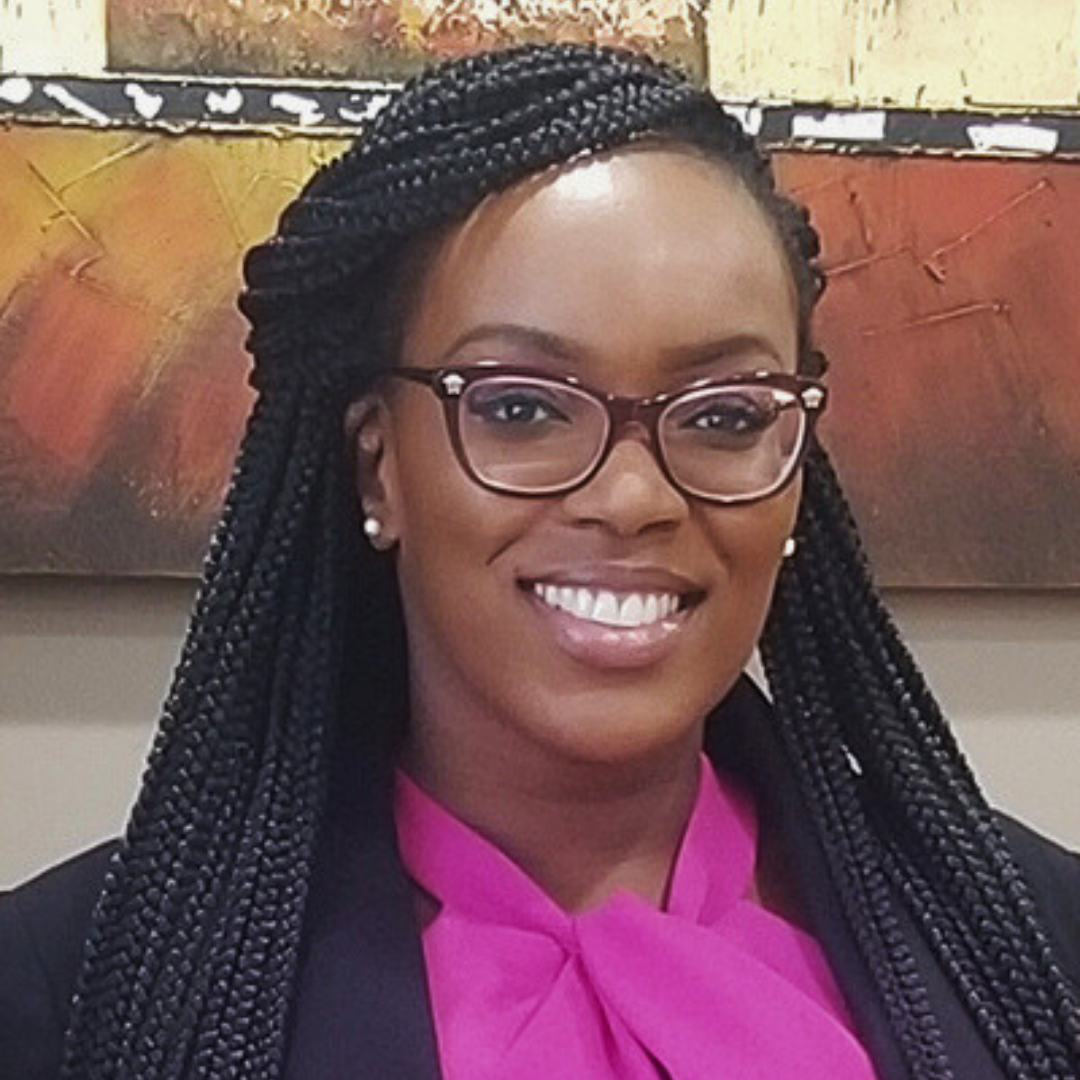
x=629, y=494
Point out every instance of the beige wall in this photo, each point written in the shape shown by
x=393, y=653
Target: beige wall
x=883, y=52
x=84, y=665
x=52, y=37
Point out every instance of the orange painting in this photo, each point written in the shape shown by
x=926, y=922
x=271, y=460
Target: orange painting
x=949, y=321
x=122, y=370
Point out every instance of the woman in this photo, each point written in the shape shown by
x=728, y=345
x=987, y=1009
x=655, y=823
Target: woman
x=437, y=803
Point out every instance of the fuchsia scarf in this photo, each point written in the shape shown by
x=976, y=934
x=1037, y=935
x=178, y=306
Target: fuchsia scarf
x=713, y=986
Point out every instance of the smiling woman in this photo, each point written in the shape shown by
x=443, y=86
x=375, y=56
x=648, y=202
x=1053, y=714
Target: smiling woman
x=593, y=271
x=489, y=795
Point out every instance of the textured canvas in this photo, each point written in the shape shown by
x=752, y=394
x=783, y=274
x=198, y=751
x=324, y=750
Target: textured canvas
x=953, y=328
x=949, y=321
x=379, y=38
x=122, y=371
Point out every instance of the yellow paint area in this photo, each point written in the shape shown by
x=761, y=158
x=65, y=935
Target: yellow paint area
x=907, y=53
x=155, y=219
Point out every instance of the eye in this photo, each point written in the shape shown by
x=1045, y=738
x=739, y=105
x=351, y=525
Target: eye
x=731, y=414
x=520, y=406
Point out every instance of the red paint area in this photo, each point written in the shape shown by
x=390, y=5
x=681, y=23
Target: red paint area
x=954, y=333
x=79, y=359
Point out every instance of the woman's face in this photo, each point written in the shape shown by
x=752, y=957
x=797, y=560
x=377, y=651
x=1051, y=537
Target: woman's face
x=639, y=272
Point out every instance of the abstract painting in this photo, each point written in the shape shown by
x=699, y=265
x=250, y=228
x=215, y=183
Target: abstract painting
x=952, y=325
x=379, y=38
x=122, y=370
x=949, y=321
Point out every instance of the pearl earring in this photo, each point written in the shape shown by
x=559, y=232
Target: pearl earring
x=791, y=545
x=372, y=528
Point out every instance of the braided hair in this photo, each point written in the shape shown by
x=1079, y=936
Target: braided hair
x=193, y=948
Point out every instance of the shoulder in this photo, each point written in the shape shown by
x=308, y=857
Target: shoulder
x=745, y=741
x=1054, y=875
x=43, y=926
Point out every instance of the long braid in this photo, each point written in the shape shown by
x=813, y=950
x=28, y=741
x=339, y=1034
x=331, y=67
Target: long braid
x=191, y=958
x=207, y=811
x=933, y=833
x=806, y=723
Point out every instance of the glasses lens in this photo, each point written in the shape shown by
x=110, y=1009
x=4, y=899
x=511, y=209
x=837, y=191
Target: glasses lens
x=733, y=442
x=529, y=435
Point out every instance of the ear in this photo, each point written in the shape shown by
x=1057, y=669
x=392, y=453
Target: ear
x=369, y=438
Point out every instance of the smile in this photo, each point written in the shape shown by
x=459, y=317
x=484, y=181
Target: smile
x=607, y=607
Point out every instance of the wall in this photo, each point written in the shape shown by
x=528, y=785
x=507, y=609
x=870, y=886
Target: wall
x=914, y=53
x=84, y=665
x=52, y=36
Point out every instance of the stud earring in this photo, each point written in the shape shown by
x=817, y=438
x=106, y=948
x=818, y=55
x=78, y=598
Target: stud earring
x=373, y=530
x=791, y=545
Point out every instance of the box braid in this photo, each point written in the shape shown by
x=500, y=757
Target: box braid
x=193, y=948
x=898, y=809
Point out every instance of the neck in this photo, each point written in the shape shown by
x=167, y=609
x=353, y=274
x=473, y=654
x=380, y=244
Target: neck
x=581, y=830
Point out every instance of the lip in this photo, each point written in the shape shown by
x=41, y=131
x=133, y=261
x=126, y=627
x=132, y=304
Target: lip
x=618, y=577
x=610, y=647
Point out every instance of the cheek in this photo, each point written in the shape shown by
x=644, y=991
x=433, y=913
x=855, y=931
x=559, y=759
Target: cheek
x=432, y=496
x=451, y=532
x=444, y=514
x=750, y=540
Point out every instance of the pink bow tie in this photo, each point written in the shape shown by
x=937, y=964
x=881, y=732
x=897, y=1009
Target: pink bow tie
x=712, y=987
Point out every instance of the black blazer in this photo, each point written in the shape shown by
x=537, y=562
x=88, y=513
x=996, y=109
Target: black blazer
x=361, y=1008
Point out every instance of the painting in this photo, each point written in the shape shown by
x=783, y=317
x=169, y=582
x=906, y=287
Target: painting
x=955, y=417
x=122, y=370
x=954, y=337
x=379, y=39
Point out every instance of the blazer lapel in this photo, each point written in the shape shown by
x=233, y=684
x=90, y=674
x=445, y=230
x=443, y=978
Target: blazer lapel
x=361, y=1008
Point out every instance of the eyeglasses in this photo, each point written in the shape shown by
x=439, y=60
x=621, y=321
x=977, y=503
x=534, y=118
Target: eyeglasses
x=526, y=432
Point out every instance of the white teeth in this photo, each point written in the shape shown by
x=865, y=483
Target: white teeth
x=583, y=604
x=632, y=610
x=606, y=607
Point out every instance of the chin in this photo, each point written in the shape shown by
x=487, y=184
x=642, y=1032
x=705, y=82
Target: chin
x=618, y=733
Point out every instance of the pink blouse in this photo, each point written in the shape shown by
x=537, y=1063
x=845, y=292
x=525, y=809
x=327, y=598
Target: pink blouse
x=712, y=986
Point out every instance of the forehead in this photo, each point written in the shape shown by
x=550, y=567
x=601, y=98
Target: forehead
x=629, y=255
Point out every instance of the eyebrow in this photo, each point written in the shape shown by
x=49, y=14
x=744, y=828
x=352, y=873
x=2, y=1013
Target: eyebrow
x=544, y=341
x=680, y=357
